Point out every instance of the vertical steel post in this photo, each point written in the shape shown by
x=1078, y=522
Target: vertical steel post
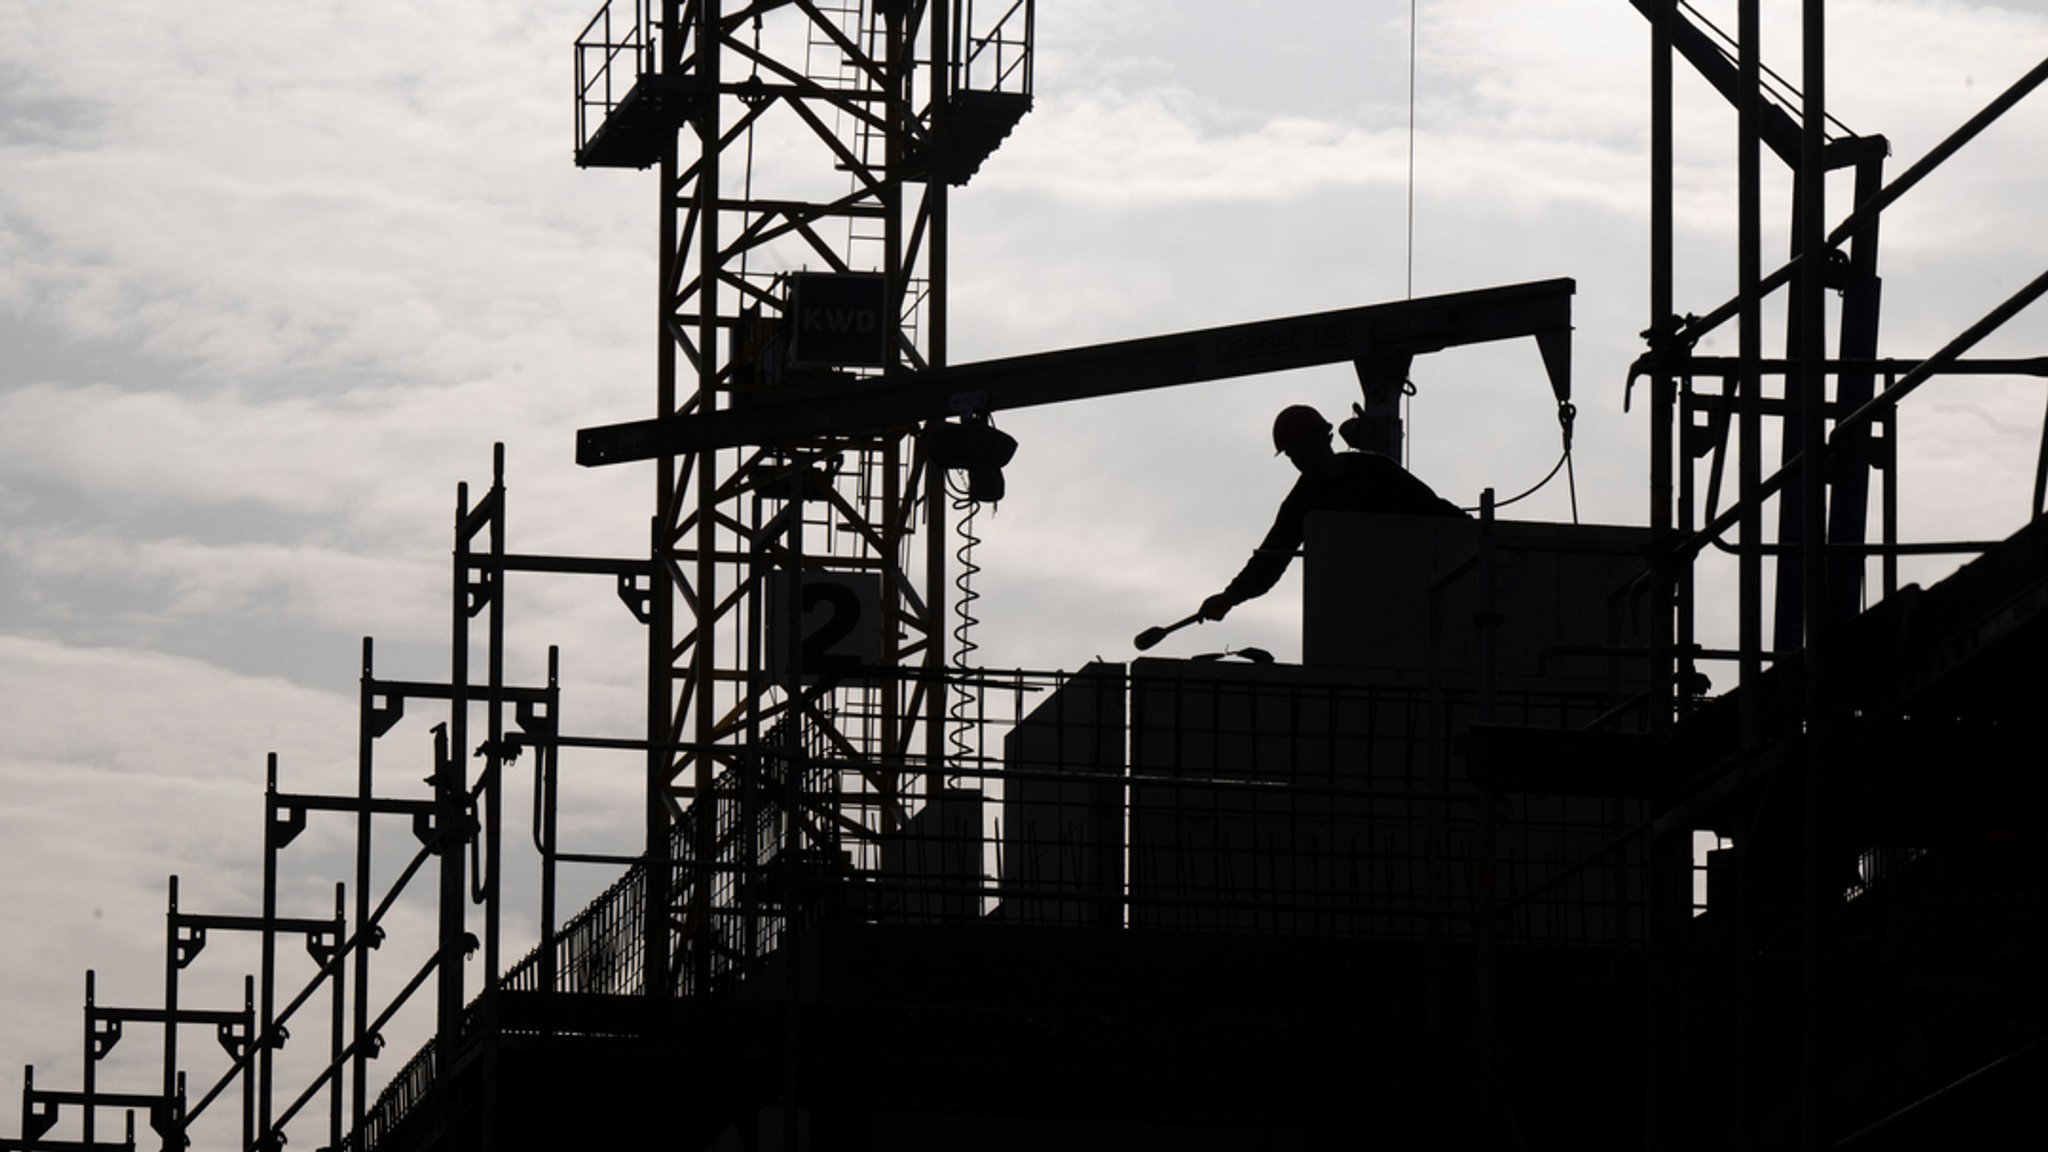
x=1749, y=275
x=335, y=966
x=545, y=768
x=1788, y=620
x=937, y=522
x=704, y=668
x=494, y=764
x=92, y=1061
x=938, y=525
x=359, y=1031
x=1662, y=465
x=752, y=876
x=1749, y=396
x=170, y=1071
x=491, y=825
x=1812, y=305
x=450, y=796
x=899, y=68
x=1887, y=423
x=792, y=848
x=248, y=1077
x=1669, y=863
x=659, y=871
x=266, y=1038
x=1484, y=904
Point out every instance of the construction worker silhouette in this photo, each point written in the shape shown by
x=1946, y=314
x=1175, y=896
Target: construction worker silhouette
x=1331, y=481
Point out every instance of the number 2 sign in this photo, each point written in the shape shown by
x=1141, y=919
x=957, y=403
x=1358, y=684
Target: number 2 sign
x=839, y=624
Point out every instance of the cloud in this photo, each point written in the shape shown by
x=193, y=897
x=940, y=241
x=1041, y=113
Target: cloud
x=124, y=766
x=294, y=202
x=1111, y=149
x=252, y=582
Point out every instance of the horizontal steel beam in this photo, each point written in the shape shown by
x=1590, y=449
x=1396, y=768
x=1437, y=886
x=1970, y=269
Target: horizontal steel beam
x=478, y=693
x=171, y=1016
x=568, y=565
x=1541, y=309
x=1888, y=366
x=375, y=805
x=253, y=923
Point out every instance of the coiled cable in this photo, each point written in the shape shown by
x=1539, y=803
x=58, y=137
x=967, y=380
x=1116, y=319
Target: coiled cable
x=959, y=722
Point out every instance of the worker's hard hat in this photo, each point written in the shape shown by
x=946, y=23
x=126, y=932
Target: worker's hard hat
x=1297, y=424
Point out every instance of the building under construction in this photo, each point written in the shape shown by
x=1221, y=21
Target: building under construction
x=1434, y=887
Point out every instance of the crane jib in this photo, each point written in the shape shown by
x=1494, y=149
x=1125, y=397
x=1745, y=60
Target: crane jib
x=1541, y=309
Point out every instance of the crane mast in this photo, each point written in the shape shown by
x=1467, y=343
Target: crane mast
x=825, y=264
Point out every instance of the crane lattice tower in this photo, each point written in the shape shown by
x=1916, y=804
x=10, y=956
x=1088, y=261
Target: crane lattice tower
x=805, y=152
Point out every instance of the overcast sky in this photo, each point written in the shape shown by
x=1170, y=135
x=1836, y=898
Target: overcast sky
x=274, y=277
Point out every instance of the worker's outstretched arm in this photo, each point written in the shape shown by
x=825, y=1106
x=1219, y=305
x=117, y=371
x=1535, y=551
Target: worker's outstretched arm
x=1269, y=560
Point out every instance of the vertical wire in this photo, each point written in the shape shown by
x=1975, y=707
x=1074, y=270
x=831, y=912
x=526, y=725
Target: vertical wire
x=1411, y=149
x=747, y=195
x=1407, y=453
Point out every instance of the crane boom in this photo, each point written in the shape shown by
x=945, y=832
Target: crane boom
x=1373, y=334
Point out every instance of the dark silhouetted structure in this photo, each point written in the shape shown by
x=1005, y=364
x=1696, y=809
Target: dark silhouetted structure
x=1502, y=869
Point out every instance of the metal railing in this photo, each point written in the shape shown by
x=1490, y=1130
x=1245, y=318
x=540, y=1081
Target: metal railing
x=408, y=1087
x=1182, y=797
x=995, y=55
x=612, y=54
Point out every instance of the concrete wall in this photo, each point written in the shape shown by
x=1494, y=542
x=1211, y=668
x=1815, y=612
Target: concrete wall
x=1313, y=800
x=932, y=866
x=1282, y=799
x=1063, y=822
x=1401, y=595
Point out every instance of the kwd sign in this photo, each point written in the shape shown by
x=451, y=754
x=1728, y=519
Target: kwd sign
x=839, y=319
